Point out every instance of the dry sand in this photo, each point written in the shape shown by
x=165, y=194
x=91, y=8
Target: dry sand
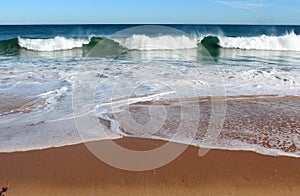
x=73, y=170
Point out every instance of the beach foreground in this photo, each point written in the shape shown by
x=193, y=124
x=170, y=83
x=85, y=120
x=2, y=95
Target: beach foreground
x=73, y=170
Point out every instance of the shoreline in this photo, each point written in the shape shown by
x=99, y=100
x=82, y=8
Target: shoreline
x=73, y=170
x=264, y=124
x=160, y=142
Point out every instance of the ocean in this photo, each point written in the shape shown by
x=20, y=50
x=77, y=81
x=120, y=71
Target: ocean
x=233, y=87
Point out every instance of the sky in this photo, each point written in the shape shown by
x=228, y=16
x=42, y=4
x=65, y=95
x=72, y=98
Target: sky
x=150, y=11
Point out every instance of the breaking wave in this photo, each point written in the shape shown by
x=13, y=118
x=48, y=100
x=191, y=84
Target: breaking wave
x=52, y=44
x=288, y=42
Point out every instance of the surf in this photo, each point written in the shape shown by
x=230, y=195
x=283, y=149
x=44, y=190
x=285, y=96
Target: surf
x=290, y=42
x=52, y=44
x=287, y=42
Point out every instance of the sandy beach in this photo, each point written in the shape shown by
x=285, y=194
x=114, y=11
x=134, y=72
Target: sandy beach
x=150, y=98
x=73, y=170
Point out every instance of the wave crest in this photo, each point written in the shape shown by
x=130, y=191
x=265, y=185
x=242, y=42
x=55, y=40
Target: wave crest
x=289, y=41
x=52, y=44
x=168, y=42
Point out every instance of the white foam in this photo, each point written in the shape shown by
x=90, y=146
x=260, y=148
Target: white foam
x=169, y=42
x=289, y=41
x=52, y=44
x=252, y=82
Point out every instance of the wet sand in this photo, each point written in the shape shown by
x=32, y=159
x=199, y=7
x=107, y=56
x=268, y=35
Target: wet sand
x=73, y=170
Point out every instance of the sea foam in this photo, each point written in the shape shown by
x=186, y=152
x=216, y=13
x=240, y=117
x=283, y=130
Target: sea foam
x=288, y=42
x=52, y=44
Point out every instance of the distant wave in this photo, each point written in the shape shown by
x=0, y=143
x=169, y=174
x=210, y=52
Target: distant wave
x=52, y=44
x=290, y=42
x=169, y=42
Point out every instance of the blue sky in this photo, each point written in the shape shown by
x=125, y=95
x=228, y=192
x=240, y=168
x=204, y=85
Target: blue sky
x=150, y=11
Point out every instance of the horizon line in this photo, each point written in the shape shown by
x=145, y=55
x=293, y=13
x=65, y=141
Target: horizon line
x=250, y=24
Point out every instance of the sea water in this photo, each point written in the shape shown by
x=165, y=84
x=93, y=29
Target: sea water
x=48, y=70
